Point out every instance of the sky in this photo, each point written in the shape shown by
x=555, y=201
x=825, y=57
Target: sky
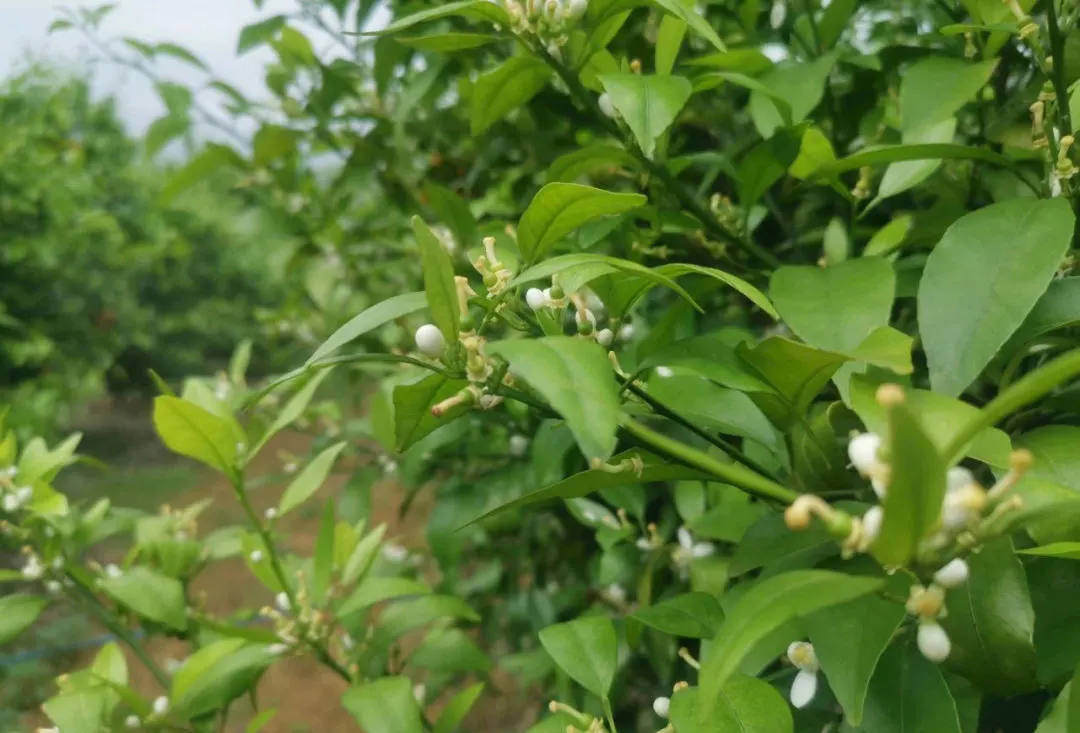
x=208, y=28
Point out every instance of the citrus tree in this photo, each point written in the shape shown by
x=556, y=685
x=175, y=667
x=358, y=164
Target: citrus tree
x=739, y=340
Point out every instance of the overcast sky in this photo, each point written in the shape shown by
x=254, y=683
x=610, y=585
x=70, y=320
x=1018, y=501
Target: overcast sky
x=208, y=28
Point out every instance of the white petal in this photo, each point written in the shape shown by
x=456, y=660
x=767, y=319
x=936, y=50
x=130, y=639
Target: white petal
x=952, y=574
x=536, y=298
x=872, y=520
x=703, y=549
x=803, y=688
x=161, y=705
x=933, y=642
x=664, y=372
x=282, y=602
x=661, y=706
x=880, y=489
x=863, y=452
x=957, y=478
x=686, y=540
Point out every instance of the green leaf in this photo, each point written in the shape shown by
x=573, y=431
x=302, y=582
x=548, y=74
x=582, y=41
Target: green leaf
x=848, y=640
x=940, y=417
x=908, y=694
x=560, y=208
x=515, y=82
x=439, y=286
x=981, y=281
x=363, y=556
x=272, y=142
x=180, y=53
x=900, y=177
x=574, y=165
x=191, y=431
x=933, y=89
x=293, y=409
x=78, y=711
x=695, y=615
x=745, y=705
x=224, y=674
x=150, y=594
x=764, y=165
x=323, y=559
x=991, y=623
x=164, y=130
x=765, y=607
x=385, y=705
x=471, y=9
x=375, y=589
x=18, y=612
x=755, y=296
x=412, y=408
x=834, y=21
x=575, y=377
x=1058, y=307
x=449, y=651
x=654, y=469
x=770, y=540
x=401, y=618
x=712, y=407
x=916, y=489
x=1065, y=550
x=801, y=86
x=669, y=38
x=586, y=649
x=647, y=103
x=256, y=34
x=369, y=319
x=213, y=157
x=890, y=237
x=452, y=211
x=448, y=42
x=308, y=481
x=686, y=12
x=878, y=154
x=458, y=707
x=815, y=151
x=836, y=307
x=795, y=373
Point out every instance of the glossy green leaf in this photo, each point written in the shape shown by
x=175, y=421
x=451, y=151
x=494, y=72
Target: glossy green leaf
x=647, y=103
x=459, y=706
x=78, y=711
x=765, y=607
x=669, y=38
x=848, y=640
x=412, y=407
x=560, y=208
x=904, y=176
x=376, y=589
x=835, y=307
x=879, y=154
x=694, y=615
x=369, y=319
x=577, y=270
x=363, y=556
x=795, y=374
x=986, y=274
x=163, y=131
x=400, y=618
x=712, y=407
x=259, y=33
x=149, y=594
x=191, y=431
x=453, y=211
x=385, y=705
x=764, y=165
x=689, y=15
x=308, y=481
x=515, y=82
x=890, y=237
x=933, y=89
x=586, y=649
x=770, y=540
x=213, y=681
x=745, y=705
x=916, y=489
x=471, y=9
x=439, y=286
x=18, y=612
x=801, y=86
x=450, y=651
x=1057, y=308
x=575, y=377
x=1065, y=550
x=595, y=158
x=834, y=20
x=908, y=694
x=815, y=151
x=448, y=42
x=293, y=409
x=991, y=623
x=755, y=296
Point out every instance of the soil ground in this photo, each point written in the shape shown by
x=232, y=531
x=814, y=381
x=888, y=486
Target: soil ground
x=305, y=694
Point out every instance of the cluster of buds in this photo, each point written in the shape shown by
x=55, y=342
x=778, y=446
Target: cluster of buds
x=861, y=191
x=583, y=722
x=927, y=605
x=12, y=496
x=295, y=620
x=496, y=275
x=549, y=21
x=728, y=214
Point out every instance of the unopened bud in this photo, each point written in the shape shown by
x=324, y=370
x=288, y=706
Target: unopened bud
x=889, y=395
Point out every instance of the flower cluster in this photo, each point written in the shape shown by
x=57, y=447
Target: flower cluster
x=549, y=21
x=588, y=310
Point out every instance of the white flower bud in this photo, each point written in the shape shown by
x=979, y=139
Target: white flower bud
x=256, y=556
x=626, y=333
x=616, y=593
x=161, y=705
x=863, y=452
x=395, y=553
x=605, y=336
x=24, y=494
x=10, y=503
x=871, y=522
x=607, y=106
x=277, y=649
x=664, y=372
x=879, y=487
x=933, y=642
x=270, y=514
x=282, y=602
x=537, y=299
x=113, y=571
x=53, y=586
x=954, y=573
x=577, y=9
x=132, y=721
x=429, y=339
x=419, y=693
x=662, y=706
x=802, y=655
x=958, y=478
